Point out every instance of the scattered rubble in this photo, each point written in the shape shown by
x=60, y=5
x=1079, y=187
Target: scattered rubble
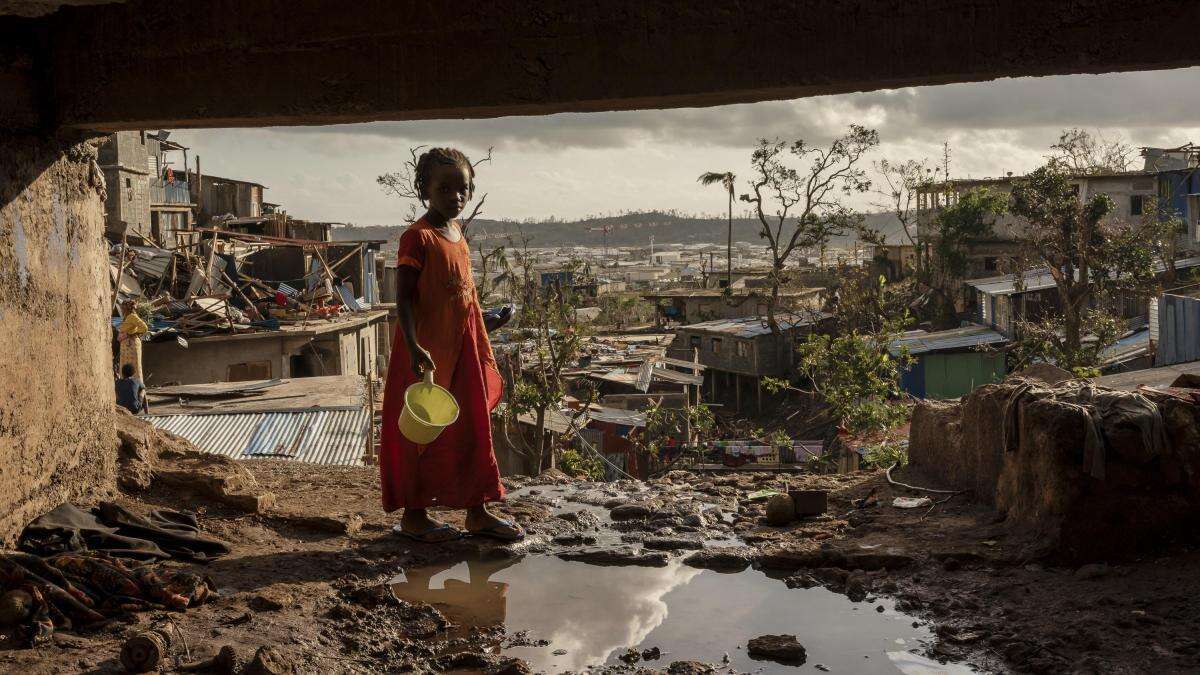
x=784, y=649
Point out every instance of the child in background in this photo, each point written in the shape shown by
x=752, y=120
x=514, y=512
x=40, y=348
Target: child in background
x=442, y=328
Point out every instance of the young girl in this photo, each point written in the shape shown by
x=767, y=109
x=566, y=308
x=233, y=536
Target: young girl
x=442, y=328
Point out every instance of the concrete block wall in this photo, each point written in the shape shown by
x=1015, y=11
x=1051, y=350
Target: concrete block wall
x=57, y=441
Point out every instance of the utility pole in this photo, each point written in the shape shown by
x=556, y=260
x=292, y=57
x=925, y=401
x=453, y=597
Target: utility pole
x=605, y=229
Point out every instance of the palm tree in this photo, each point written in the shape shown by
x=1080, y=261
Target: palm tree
x=726, y=180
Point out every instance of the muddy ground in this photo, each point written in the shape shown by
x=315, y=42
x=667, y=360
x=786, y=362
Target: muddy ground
x=307, y=574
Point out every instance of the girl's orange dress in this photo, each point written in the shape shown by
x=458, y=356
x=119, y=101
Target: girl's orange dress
x=458, y=470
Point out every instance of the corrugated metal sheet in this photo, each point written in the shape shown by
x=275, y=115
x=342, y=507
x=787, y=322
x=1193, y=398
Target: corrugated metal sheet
x=152, y=261
x=753, y=326
x=1178, y=330
x=1040, y=279
x=1154, y=319
x=676, y=377
x=629, y=418
x=330, y=437
x=946, y=340
x=1131, y=346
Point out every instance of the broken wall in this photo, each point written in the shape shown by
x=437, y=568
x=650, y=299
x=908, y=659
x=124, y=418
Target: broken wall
x=57, y=440
x=1084, y=472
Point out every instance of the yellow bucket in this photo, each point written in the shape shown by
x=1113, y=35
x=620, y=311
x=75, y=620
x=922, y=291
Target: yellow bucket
x=428, y=409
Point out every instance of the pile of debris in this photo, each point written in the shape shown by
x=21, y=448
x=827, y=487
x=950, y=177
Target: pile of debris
x=231, y=282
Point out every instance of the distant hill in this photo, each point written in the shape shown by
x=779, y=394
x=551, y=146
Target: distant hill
x=628, y=229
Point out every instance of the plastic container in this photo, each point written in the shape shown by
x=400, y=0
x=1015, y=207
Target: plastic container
x=428, y=409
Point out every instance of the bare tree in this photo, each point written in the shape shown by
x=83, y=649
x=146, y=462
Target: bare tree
x=1081, y=152
x=402, y=184
x=548, y=320
x=800, y=208
x=902, y=181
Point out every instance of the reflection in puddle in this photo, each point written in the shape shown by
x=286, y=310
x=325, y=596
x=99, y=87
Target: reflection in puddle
x=595, y=613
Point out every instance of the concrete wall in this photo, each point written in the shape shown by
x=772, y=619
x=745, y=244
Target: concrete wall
x=124, y=157
x=205, y=361
x=167, y=362
x=57, y=441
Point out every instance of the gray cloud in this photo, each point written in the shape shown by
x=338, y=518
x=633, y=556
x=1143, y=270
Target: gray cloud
x=1128, y=100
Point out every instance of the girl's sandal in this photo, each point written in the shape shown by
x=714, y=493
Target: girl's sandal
x=501, y=531
x=437, y=534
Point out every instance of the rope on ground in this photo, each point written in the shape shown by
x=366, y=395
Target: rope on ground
x=914, y=487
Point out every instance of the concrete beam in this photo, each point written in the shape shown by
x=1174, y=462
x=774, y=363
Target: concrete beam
x=21, y=102
x=144, y=64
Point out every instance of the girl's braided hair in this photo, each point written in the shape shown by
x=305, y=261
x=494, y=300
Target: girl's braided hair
x=450, y=156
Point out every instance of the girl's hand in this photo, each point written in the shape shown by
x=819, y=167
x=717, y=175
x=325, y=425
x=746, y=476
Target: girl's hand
x=421, y=361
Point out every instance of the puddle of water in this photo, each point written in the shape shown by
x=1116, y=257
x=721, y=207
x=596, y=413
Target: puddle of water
x=595, y=613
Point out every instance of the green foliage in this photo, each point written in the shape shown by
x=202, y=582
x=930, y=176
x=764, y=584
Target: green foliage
x=621, y=310
x=969, y=218
x=826, y=462
x=774, y=385
x=664, y=423
x=868, y=303
x=1092, y=262
x=1043, y=341
x=576, y=463
x=780, y=438
x=885, y=454
x=857, y=376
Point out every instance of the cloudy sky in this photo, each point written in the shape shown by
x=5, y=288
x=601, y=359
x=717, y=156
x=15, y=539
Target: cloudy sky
x=572, y=165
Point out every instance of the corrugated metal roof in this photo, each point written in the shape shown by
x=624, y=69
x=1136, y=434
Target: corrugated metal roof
x=152, y=260
x=919, y=342
x=1129, y=347
x=629, y=418
x=1040, y=279
x=753, y=326
x=330, y=437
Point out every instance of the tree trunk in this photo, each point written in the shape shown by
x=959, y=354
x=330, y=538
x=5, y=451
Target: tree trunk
x=541, y=438
x=729, y=247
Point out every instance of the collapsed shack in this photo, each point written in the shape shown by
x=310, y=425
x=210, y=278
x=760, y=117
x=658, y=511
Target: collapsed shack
x=231, y=283
x=1088, y=472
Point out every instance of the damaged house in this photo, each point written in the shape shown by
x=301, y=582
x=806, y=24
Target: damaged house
x=738, y=353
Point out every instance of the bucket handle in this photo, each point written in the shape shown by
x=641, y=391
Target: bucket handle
x=428, y=376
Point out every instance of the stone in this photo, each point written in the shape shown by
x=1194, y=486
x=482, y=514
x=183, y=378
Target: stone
x=135, y=461
x=512, y=666
x=781, y=510
x=877, y=560
x=724, y=558
x=623, y=555
x=1092, y=571
x=250, y=502
x=629, y=512
x=630, y=656
x=856, y=586
x=269, y=602
x=652, y=654
x=785, y=649
x=673, y=543
x=689, y=668
x=269, y=661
